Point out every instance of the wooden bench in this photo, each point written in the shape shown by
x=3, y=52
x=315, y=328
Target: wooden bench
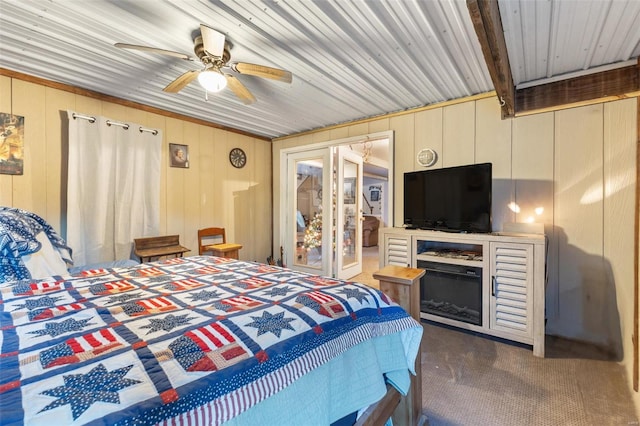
x=150, y=247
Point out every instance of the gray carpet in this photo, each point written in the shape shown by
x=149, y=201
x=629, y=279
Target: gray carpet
x=468, y=379
x=473, y=380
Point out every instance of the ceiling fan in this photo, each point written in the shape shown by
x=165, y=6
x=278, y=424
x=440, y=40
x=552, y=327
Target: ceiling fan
x=213, y=51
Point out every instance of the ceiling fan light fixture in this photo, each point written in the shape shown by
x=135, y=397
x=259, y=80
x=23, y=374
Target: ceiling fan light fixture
x=212, y=80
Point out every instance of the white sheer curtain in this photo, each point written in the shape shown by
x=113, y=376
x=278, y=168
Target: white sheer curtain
x=113, y=190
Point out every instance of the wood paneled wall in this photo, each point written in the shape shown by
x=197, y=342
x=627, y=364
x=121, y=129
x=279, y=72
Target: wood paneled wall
x=210, y=192
x=577, y=165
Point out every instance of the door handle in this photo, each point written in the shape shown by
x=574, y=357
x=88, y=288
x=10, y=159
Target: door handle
x=493, y=285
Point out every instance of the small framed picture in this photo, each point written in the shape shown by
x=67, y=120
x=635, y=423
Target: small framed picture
x=375, y=195
x=11, y=144
x=179, y=155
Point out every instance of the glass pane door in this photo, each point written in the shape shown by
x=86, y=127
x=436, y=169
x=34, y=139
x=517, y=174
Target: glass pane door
x=349, y=214
x=310, y=215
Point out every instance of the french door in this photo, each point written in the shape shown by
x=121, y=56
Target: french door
x=309, y=211
x=323, y=226
x=349, y=213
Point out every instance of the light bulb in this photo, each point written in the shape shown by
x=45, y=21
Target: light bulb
x=212, y=81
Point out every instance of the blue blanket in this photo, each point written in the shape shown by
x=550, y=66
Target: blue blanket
x=18, y=231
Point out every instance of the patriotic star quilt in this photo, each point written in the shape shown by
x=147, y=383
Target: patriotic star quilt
x=144, y=344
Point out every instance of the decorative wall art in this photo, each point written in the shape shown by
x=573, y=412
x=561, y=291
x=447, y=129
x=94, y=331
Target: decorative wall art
x=11, y=144
x=179, y=155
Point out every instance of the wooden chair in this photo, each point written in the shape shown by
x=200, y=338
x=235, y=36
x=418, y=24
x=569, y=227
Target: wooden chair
x=209, y=234
x=220, y=249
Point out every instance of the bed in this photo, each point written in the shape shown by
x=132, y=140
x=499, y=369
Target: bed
x=197, y=340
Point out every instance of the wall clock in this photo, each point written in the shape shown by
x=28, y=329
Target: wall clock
x=427, y=157
x=238, y=158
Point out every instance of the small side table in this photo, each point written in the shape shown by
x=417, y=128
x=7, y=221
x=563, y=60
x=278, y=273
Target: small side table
x=229, y=250
x=402, y=284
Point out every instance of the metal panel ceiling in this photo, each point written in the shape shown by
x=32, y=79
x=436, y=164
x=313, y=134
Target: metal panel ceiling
x=558, y=37
x=350, y=59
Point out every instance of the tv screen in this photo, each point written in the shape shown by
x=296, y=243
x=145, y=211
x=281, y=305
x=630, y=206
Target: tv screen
x=455, y=199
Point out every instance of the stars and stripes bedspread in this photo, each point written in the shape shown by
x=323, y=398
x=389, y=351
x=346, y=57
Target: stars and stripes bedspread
x=166, y=339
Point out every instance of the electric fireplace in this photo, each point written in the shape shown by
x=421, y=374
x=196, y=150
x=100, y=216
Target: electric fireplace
x=451, y=291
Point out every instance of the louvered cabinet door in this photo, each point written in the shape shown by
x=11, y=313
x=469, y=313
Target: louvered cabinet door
x=397, y=250
x=512, y=289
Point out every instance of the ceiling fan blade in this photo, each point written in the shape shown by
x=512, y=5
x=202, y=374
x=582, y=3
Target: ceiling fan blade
x=240, y=90
x=181, y=82
x=212, y=41
x=262, y=71
x=155, y=50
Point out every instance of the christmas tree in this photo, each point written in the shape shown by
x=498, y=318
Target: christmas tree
x=313, y=233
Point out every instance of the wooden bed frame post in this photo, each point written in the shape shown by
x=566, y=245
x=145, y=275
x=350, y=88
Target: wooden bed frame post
x=402, y=284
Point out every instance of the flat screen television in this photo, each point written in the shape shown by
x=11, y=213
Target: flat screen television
x=454, y=199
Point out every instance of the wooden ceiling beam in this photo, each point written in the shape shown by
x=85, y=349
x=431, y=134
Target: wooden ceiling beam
x=485, y=15
x=598, y=87
x=606, y=85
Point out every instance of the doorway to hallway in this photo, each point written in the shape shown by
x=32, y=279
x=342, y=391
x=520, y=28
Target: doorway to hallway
x=345, y=211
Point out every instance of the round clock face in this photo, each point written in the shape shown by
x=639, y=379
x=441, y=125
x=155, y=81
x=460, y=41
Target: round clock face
x=427, y=157
x=238, y=158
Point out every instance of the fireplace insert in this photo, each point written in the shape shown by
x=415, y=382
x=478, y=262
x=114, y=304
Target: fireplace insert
x=451, y=291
